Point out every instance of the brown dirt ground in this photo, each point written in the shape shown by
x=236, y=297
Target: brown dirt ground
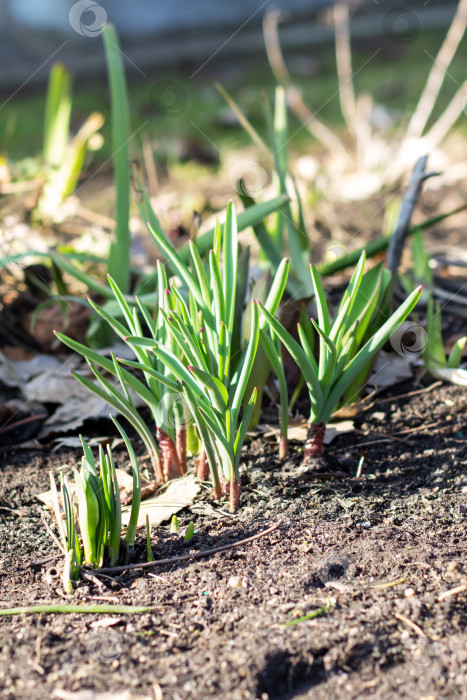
x=367, y=550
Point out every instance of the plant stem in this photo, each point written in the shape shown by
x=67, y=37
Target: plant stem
x=157, y=465
x=283, y=446
x=314, y=443
x=181, y=448
x=203, y=466
x=171, y=468
x=234, y=495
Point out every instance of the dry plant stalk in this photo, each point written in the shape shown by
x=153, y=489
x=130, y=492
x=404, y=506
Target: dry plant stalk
x=370, y=151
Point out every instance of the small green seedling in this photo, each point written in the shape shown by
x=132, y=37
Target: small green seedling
x=190, y=532
x=149, y=556
x=174, y=525
x=99, y=511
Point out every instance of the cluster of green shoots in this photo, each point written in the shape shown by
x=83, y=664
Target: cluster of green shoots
x=191, y=371
x=97, y=495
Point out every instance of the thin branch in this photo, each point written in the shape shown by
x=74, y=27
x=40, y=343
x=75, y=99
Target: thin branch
x=185, y=557
x=52, y=534
x=438, y=72
x=439, y=130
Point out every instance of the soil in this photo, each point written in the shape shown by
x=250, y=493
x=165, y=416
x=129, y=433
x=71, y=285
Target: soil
x=370, y=556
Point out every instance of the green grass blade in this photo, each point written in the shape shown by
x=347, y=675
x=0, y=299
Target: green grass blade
x=219, y=435
x=62, y=262
x=230, y=265
x=350, y=292
x=455, y=356
x=271, y=250
x=250, y=217
x=136, y=497
x=215, y=386
x=216, y=282
x=223, y=345
x=117, y=401
x=276, y=292
x=176, y=263
x=320, y=299
x=76, y=609
x=163, y=378
x=247, y=364
x=95, y=358
x=323, y=319
x=274, y=356
x=242, y=430
x=202, y=280
x=123, y=304
x=326, y=372
x=119, y=253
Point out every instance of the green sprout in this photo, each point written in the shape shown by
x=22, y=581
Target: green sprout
x=347, y=346
x=189, y=532
x=168, y=455
x=149, y=556
x=67, y=530
x=99, y=508
x=433, y=353
x=194, y=365
x=99, y=511
x=208, y=374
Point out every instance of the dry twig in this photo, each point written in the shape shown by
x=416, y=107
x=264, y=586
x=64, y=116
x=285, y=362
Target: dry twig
x=185, y=557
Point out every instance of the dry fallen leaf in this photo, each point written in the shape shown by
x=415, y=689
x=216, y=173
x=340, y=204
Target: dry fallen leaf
x=179, y=494
x=125, y=486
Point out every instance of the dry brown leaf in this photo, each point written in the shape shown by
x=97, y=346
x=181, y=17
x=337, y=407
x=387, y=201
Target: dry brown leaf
x=179, y=494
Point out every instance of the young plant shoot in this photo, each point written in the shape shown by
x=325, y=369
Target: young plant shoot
x=99, y=511
x=67, y=530
x=347, y=347
x=210, y=377
x=159, y=391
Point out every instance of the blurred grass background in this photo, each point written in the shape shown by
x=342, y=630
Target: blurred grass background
x=395, y=78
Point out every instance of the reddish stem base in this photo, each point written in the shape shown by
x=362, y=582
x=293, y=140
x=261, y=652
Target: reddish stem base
x=202, y=471
x=171, y=468
x=181, y=448
x=234, y=495
x=283, y=447
x=314, y=443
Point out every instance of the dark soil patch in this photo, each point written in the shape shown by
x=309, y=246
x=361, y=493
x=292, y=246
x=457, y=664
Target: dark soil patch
x=367, y=550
